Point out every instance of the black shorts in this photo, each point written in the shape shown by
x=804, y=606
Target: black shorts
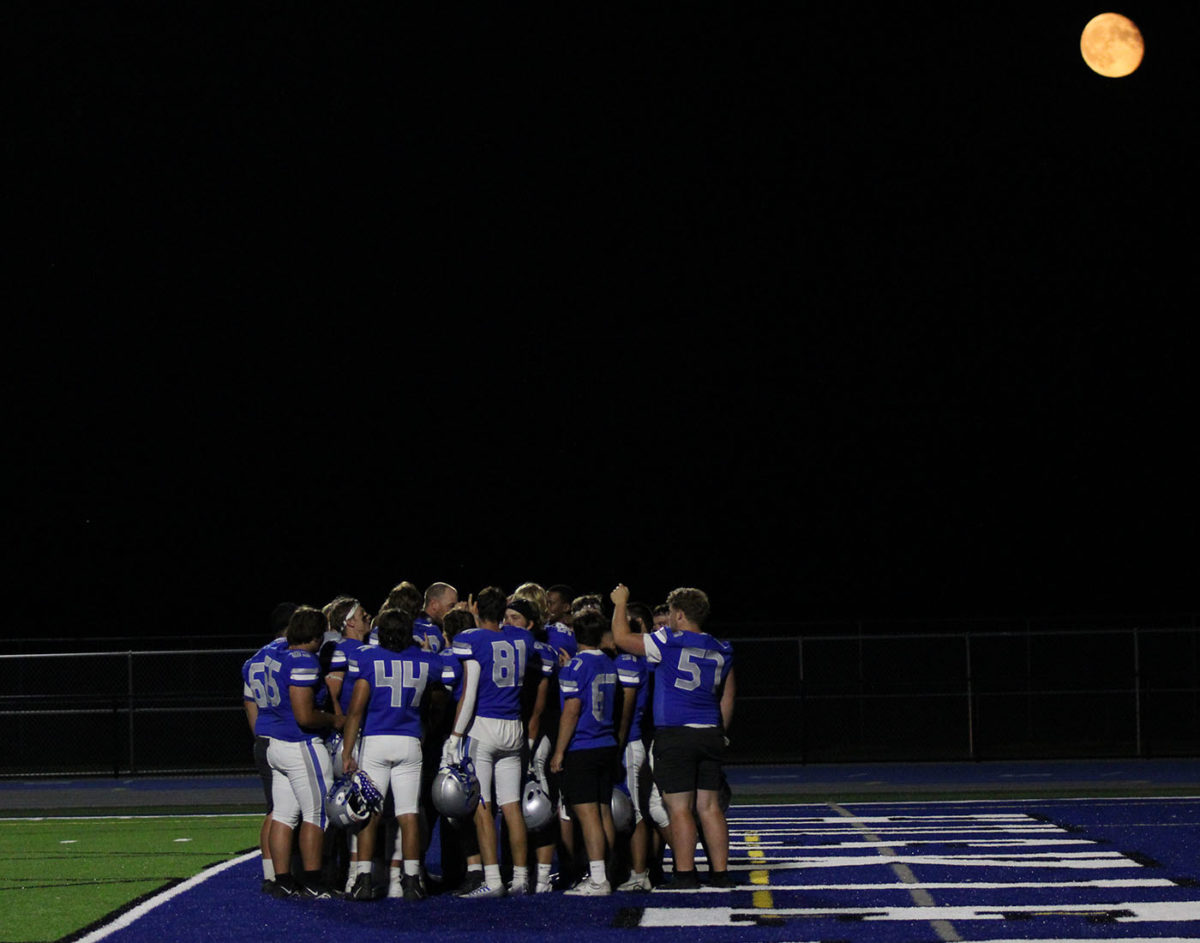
x=688, y=758
x=264, y=769
x=588, y=775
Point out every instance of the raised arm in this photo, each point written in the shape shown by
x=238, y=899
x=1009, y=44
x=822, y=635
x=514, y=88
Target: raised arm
x=625, y=640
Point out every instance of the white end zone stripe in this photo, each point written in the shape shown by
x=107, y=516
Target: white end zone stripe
x=1139, y=912
x=159, y=899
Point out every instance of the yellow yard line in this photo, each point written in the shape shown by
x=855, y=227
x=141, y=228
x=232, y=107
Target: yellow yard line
x=762, y=898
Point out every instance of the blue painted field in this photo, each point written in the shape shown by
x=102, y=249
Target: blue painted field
x=978, y=870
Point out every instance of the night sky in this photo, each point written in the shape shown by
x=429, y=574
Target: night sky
x=855, y=313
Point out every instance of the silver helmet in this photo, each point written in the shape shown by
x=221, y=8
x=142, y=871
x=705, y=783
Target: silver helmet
x=456, y=790
x=622, y=810
x=536, y=806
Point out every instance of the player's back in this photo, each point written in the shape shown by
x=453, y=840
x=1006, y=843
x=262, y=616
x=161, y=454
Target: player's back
x=281, y=671
x=399, y=682
x=503, y=656
x=691, y=667
x=591, y=676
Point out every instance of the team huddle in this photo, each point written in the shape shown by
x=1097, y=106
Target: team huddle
x=528, y=721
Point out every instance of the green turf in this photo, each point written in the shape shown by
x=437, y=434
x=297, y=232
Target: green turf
x=59, y=875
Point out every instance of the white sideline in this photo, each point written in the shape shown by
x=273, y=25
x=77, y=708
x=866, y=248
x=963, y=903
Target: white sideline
x=159, y=899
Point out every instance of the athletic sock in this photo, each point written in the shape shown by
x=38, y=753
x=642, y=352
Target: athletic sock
x=268, y=869
x=597, y=868
x=520, y=876
x=491, y=875
x=411, y=866
x=543, y=873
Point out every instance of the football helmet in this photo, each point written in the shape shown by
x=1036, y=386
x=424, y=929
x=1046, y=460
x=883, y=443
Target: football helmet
x=622, y=809
x=352, y=801
x=456, y=789
x=536, y=805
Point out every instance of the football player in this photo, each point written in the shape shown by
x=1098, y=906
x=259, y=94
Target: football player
x=440, y=598
x=462, y=867
x=300, y=763
x=586, y=751
x=634, y=675
x=352, y=623
x=404, y=596
x=488, y=724
x=390, y=683
x=250, y=701
x=558, y=604
x=693, y=707
x=525, y=610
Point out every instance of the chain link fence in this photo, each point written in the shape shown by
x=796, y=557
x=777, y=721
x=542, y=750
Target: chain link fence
x=830, y=698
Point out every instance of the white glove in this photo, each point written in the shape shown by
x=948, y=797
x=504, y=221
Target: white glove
x=452, y=750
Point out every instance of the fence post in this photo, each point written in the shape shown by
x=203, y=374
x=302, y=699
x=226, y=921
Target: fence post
x=129, y=707
x=803, y=711
x=970, y=702
x=116, y=738
x=1137, y=693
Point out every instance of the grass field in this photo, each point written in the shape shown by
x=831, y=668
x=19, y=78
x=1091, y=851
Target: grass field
x=58, y=875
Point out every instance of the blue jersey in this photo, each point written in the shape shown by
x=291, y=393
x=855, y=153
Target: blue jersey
x=548, y=657
x=634, y=672
x=592, y=678
x=452, y=673
x=347, y=648
x=503, y=656
x=333, y=653
x=690, y=669
x=398, y=682
x=257, y=690
x=426, y=629
x=560, y=635
x=271, y=673
x=331, y=659
x=423, y=630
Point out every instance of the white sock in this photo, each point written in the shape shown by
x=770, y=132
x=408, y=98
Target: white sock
x=268, y=869
x=362, y=867
x=520, y=876
x=491, y=875
x=543, y=873
x=394, y=874
x=597, y=872
x=412, y=866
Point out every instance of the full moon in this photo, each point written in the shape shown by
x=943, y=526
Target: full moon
x=1111, y=45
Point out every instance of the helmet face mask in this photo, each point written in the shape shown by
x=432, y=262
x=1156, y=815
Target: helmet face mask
x=536, y=806
x=456, y=790
x=353, y=800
